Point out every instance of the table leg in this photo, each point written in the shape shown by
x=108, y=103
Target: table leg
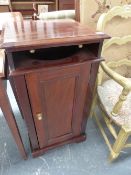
x=9, y=116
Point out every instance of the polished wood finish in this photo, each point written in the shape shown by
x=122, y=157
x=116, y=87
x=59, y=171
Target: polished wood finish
x=77, y=10
x=57, y=96
x=66, y=4
x=78, y=139
x=21, y=94
x=4, y=101
x=9, y=116
x=5, y=6
x=53, y=67
x=7, y=110
x=44, y=34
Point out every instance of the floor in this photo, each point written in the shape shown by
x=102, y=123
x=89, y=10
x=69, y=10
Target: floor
x=89, y=157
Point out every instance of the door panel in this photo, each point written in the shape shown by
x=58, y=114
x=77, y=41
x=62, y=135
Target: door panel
x=59, y=95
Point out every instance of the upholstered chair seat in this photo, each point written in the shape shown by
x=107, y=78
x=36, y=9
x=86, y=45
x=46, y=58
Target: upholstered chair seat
x=109, y=93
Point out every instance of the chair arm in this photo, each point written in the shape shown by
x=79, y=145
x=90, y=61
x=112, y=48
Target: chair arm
x=124, y=82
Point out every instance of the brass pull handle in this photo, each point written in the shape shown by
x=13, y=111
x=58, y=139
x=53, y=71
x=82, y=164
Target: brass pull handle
x=32, y=51
x=80, y=46
x=39, y=116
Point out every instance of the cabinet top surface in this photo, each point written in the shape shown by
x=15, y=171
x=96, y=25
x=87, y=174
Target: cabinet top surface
x=28, y=34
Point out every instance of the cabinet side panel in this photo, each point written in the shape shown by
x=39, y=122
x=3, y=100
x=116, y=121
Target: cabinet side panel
x=81, y=91
x=19, y=86
x=90, y=91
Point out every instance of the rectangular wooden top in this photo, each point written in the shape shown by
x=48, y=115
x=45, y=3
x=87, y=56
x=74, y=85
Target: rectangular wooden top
x=29, y=34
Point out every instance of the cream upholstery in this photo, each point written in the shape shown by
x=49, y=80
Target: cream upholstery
x=118, y=51
x=117, y=23
x=109, y=94
x=62, y=14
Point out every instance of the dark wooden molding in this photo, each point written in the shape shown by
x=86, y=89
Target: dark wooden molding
x=77, y=10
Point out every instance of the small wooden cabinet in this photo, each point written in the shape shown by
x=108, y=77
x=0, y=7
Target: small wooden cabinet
x=58, y=113
x=52, y=73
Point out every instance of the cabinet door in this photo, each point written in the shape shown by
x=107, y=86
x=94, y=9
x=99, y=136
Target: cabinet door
x=57, y=98
x=66, y=4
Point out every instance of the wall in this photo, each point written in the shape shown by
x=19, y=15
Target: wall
x=90, y=10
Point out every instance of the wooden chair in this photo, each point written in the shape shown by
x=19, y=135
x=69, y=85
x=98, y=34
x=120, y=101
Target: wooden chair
x=113, y=93
x=6, y=108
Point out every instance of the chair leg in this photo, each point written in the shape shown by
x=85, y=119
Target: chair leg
x=119, y=143
x=8, y=114
x=93, y=106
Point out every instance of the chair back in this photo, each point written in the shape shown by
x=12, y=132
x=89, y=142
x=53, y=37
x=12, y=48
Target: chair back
x=117, y=23
x=118, y=56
